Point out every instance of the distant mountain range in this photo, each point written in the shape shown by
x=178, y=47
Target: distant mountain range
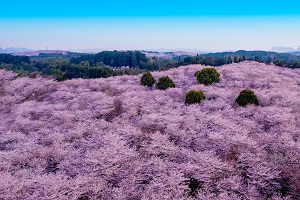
x=284, y=49
x=162, y=52
x=14, y=50
x=22, y=50
x=181, y=50
x=36, y=53
x=168, y=55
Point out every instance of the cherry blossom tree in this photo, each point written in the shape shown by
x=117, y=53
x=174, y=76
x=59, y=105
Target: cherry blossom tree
x=116, y=139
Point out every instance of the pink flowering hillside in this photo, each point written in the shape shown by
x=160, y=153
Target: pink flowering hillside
x=116, y=139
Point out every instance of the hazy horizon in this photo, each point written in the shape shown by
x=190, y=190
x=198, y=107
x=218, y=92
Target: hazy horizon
x=134, y=25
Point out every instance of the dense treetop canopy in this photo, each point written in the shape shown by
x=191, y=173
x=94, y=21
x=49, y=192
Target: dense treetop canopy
x=113, y=63
x=116, y=139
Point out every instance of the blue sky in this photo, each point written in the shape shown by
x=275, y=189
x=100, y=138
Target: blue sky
x=115, y=24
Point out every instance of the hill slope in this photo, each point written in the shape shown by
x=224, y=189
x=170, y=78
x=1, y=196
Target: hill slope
x=115, y=139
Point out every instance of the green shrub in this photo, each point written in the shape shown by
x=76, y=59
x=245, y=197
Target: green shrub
x=207, y=76
x=247, y=97
x=194, y=96
x=147, y=79
x=164, y=83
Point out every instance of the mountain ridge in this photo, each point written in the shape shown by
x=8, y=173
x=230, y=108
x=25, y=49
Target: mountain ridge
x=281, y=49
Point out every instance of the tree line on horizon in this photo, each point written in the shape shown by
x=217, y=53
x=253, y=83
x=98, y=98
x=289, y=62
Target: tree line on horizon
x=114, y=63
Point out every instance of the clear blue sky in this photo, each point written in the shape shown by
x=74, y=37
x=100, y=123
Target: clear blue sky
x=116, y=24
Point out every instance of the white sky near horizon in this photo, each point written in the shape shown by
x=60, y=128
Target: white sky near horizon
x=137, y=33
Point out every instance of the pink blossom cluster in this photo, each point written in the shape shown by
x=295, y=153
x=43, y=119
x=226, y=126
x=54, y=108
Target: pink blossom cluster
x=116, y=139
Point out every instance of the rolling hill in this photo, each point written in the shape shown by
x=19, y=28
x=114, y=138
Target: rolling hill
x=115, y=139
